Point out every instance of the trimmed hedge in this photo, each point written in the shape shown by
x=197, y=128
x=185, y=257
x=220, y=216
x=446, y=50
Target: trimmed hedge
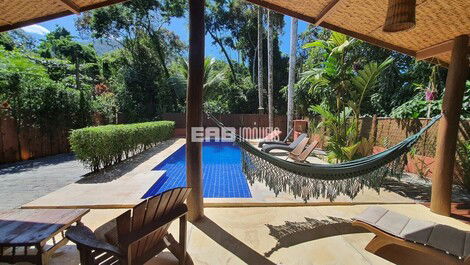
x=102, y=146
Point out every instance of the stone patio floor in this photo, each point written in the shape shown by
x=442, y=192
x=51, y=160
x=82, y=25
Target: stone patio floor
x=26, y=181
x=258, y=236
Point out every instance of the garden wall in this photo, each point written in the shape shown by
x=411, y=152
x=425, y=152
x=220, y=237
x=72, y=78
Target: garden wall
x=29, y=142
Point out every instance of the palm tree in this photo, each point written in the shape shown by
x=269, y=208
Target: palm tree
x=292, y=62
x=212, y=82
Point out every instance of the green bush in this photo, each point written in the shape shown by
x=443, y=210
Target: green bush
x=463, y=154
x=102, y=146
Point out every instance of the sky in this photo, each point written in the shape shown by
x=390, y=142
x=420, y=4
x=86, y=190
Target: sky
x=177, y=25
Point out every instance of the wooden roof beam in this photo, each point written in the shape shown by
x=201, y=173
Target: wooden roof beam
x=71, y=6
x=435, y=50
x=326, y=11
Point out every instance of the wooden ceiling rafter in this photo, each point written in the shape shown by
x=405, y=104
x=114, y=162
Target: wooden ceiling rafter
x=435, y=50
x=71, y=6
x=327, y=11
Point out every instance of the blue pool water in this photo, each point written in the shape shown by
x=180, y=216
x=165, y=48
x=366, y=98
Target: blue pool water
x=221, y=167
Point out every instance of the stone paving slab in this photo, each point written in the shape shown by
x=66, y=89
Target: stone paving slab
x=271, y=235
x=25, y=181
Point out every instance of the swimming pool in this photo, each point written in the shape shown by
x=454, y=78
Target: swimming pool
x=221, y=168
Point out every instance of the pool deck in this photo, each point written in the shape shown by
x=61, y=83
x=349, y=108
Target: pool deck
x=123, y=186
x=252, y=236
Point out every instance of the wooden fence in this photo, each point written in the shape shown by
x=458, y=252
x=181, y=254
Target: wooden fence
x=27, y=143
x=230, y=120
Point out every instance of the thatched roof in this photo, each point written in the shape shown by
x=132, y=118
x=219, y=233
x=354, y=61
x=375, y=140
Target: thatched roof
x=19, y=13
x=438, y=22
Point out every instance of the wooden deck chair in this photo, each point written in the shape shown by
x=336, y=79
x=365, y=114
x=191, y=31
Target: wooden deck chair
x=304, y=153
x=436, y=243
x=137, y=235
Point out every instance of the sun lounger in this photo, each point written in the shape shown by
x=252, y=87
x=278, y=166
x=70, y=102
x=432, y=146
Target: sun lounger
x=269, y=147
x=304, y=152
x=441, y=243
x=269, y=141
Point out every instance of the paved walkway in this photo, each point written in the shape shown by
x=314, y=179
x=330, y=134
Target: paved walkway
x=25, y=181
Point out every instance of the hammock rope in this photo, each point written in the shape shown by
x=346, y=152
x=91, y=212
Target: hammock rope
x=308, y=180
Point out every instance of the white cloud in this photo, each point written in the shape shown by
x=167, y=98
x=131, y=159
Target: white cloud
x=36, y=29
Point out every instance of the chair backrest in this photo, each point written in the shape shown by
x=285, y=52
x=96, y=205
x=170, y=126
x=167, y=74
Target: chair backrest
x=299, y=148
x=288, y=135
x=298, y=140
x=303, y=156
x=142, y=216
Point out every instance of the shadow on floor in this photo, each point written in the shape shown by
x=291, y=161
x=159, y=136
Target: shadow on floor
x=116, y=171
x=412, y=190
x=231, y=243
x=294, y=233
x=28, y=165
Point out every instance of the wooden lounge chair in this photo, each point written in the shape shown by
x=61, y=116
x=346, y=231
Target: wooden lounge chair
x=269, y=141
x=283, y=146
x=436, y=243
x=301, y=154
x=137, y=235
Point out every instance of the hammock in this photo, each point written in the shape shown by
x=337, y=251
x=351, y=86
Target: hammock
x=308, y=180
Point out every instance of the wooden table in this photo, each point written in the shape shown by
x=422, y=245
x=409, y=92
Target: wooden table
x=25, y=232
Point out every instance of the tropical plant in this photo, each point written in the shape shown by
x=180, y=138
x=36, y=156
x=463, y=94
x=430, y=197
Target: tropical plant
x=212, y=81
x=331, y=78
x=341, y=144
x=463, y=153
x=344, y=89
x=363, y=83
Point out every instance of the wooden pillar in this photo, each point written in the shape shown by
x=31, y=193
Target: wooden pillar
x=448, y=127
x=194, y=108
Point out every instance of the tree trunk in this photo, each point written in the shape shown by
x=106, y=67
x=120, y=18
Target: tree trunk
x=292, y=62
x=224, y=51
x=270, y=71
x=260, y=60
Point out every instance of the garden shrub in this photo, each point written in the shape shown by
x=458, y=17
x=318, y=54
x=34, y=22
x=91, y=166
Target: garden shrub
x=102, y=146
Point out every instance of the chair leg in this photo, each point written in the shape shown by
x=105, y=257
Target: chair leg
x=376, y=243
x=176, y=249
x=182, y=241
x=86, y=257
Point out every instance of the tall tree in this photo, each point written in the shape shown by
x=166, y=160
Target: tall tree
x=292, y=62
x=270, y=71
x=148, y=50
x=260, y=60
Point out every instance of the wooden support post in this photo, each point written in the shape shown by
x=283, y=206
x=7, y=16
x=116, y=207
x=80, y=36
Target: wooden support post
x=194, y=108
x=448, y=128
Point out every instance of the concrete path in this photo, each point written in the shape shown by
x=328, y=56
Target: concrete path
x=25, y=181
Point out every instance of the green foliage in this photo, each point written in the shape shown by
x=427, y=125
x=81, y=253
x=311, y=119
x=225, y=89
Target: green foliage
x=102, y=146
x=416, y=108
x=34, y=99
x=463, y=153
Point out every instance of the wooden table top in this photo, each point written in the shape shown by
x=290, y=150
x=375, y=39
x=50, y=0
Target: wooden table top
x=31, y=226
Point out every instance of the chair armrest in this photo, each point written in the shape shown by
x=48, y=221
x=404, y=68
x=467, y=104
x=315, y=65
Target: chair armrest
x=83, y=236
